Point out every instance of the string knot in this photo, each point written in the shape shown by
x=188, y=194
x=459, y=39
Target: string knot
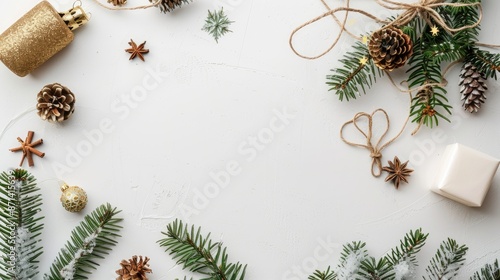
x=375, y=154
x=375, y=150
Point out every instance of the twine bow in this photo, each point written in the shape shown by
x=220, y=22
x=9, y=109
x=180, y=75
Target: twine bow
x=375, y=150
x=424, y=9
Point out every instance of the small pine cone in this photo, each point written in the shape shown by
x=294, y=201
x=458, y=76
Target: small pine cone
x=56, y=103
x=472, y=87
x=390, y=48
x=117, y=2
x=425, y=94
x=169, y=5
x=133, y=269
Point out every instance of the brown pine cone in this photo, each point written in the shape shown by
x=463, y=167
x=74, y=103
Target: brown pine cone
x=425, y=94
x=390, y=48
x=472, y=87
x=56, y=103
x=133, y=269
x=169, y=5
x=117, y=2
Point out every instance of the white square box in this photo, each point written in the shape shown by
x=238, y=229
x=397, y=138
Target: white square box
x=465, y=175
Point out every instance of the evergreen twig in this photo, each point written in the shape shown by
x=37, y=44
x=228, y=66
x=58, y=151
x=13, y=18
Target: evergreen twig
x=448, y=259
x=93, y=238
x=200, y=254
x=426, y=74
x=217, y=24
x=408, y=248
x=328, y=274
x=488, y=272
x=20, y=226
x=357, y=73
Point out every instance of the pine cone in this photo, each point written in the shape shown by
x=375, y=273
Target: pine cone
x=472, y=87
x=133, y=269
x=117, y=2
x=390, y=48
x=55, y=103
x=169, y=5
x=425, y=94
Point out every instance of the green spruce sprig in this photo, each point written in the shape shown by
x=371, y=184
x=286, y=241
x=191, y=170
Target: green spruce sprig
x=91, y=240
x=217, y=24
x=328, y=274
x=488, y=272
x=357, y=73
x=200, y=254
x=404, y=256
x=448, y=259
x=20, y=225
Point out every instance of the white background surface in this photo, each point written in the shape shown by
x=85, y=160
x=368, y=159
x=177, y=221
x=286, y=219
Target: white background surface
x=304, y=186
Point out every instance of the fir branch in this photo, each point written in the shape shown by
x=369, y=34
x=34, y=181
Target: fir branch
x=21, y=226
x=370, y=269
x=328, y=274
x=353, y=254
x=357, y=73
x=464, y=16
x=199, y=254
x=93, y=238
x=485, y=62
x=217, y=24
x=448, y=259
x=402, y=259
x=449, y=51
x=426, y=74
x=408, y=247
x=488, y=272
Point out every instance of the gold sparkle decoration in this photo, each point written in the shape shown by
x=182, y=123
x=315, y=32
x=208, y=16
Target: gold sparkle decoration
x=365, y=40
x=73, y=198
x=37, y=36
x=363, y=60
x=434, y=30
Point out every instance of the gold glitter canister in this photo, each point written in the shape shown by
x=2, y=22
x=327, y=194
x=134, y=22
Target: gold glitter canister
x=37, y=36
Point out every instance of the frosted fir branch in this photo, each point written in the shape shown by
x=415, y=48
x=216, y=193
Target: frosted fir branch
x=448, y=259
x=20, y=225
x=68, y=271
x=217, y=24
x=92, y=239
x=404, y=270
x=353, y=255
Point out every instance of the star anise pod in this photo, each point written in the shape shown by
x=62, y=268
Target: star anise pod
x=136, y=50
x=397, y=171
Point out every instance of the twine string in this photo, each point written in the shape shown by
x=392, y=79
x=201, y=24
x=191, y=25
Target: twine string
x=156, y=3
x=424, y=9
x=374, y=149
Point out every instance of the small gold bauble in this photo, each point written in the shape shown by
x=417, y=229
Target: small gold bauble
x=73, y=198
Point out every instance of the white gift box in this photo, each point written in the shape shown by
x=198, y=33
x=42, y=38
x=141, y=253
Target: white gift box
x=465, y=175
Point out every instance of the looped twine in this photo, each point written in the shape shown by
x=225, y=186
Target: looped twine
x=424, y=9
x=375, y=149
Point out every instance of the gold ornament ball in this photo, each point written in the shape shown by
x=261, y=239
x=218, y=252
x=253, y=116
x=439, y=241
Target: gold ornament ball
x=73, y=198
